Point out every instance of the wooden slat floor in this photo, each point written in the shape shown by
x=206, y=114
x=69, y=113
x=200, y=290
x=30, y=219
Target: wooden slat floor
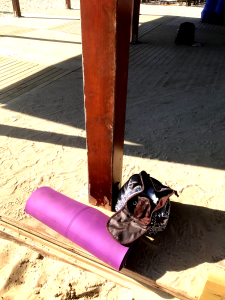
x=72, y=13
x=175, y=66
x=198, y=24
x=19, y=77
x=9, y=30
x=72, y=27
x=145, y=27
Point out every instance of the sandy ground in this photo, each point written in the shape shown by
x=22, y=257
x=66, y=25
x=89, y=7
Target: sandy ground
x=174, y=131
x=26, y=274
x=35, y=5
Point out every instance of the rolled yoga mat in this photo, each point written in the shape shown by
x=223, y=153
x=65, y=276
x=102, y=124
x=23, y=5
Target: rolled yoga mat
x=81, y=224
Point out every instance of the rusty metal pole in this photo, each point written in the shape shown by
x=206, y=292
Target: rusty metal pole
x=135, y=21
x=68, y=4
x=16, y=8
x=105, y=44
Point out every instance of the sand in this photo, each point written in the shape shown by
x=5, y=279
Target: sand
x=26, y=274
x=34, y=6
x=174, y=131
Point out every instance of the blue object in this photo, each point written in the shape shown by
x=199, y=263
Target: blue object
x=214, y=12
x=220, y=8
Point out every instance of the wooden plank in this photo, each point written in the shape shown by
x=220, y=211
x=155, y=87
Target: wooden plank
x=17, y=76
x=72, y=27
x=68, y=4
x=105, y=43
x=197, y=21
x=145, y=28
x=51, y=74
x=10, y=30
x=6, y=63
x=29, y=84
x=135, y=21
x=32, y=75
x=16, y=81
x=214, y=288
x=39, y=75
x=70, y=253
x=16, y=8
x=11, y=67
x=17, y=70
x=43, y=80
x=3, y=60
x=21, y=73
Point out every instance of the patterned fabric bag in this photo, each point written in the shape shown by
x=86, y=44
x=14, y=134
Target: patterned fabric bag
x=143, y=207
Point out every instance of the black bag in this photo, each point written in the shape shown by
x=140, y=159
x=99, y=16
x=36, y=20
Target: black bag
x=185, y=34
x=143, y=207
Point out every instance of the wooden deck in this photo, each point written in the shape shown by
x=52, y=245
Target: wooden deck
x=34, y=56
x=28, y=71
x=19, y=77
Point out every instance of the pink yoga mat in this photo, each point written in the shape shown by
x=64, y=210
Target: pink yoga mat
x=82, y=224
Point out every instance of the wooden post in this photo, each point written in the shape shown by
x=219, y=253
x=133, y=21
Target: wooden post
x=68, y=4
x=189, y=2
x=135, y=21
x=105, y=44
x=214, y=288
x=16, y=8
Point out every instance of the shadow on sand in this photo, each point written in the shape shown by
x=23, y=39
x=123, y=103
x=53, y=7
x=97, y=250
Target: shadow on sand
x=195, y=235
